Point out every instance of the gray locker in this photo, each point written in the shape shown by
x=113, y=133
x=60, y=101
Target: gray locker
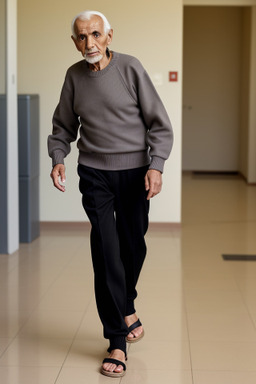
x=28, y=145
x=28, y=138
x=3, y=176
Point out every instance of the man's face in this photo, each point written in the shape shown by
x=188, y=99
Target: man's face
x=91, y=39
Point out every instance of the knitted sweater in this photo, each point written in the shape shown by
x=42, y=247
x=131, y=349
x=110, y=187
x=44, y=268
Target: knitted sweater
x=122, y=121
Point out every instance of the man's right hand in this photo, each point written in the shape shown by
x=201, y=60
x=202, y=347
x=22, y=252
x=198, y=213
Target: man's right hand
x=58, y=175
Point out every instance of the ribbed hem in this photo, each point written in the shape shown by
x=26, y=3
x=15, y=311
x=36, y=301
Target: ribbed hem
x=157, y=163
x=115, y=161
x=117, y=342
x=58, y=157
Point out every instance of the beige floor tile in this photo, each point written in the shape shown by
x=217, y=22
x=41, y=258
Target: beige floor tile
x=249, y=300
x=209, y=279
x=223, y=356
x=243, y=271
x=159, y=354
x=247, y=281
x=201, y=377
x=152, y=376
x=160, y=294
x=49, y=323
x=165, y=290
x=220, y=198
x=92, y=307
x=253, y=316
x=203, y=258
x=208, y=261
x=87, y=353
x=80, y=273
x=162, y=326
x=11, y=321
x=91, y=327
x=8, y=263
x=162, y=280
x=174, y=355
x=237, y=237
x=52, y=324
x=25, y=352
x=158, y=303
x=21, y=299
x=221, y=327
x=4, y=342
x=28, y=375
x=83, y=375
x=68, y=297
x=160, y=257
x=215, y=301
x=91, y=375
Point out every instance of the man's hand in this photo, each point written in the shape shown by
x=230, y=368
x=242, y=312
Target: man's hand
x=153, y=182
x=58, y=175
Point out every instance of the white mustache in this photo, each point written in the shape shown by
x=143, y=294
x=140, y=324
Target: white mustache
x=90, y=51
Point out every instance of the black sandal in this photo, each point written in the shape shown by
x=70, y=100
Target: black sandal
x=113, y=374
x=131, y=328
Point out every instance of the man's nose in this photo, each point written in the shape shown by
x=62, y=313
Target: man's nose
x=89, y=42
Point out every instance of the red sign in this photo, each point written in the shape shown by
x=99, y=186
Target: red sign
x=173, y=76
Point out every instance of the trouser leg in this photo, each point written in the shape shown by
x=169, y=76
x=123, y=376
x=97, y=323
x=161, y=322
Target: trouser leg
x=116, y=205
x=132, y=209
x=110, y=287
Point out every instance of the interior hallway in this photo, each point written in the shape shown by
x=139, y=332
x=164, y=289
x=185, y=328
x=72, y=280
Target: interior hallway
x=198, y=311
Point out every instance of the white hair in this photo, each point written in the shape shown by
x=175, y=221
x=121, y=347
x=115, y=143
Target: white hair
x=86, y=15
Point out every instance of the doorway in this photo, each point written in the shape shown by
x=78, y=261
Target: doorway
x=214, y=87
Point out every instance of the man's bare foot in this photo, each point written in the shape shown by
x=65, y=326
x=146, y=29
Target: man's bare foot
x=137, y=332
x=118, y=355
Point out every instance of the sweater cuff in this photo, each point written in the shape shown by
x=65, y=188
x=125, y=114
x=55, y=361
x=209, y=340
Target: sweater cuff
x=58, y=157
x=157, y=163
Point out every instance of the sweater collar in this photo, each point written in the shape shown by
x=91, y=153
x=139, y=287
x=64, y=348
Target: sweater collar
x=103, y=71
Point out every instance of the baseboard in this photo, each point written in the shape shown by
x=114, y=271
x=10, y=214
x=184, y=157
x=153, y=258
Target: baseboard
x=78, y=225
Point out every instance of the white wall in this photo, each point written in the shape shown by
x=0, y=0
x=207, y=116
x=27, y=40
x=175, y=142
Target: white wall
x=12, y=129
x=45, y=51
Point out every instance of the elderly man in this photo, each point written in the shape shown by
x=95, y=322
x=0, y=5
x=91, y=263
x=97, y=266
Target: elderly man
x=125, y=138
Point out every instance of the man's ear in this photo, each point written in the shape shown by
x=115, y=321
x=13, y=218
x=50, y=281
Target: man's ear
x=110, y=36
x=75, y=42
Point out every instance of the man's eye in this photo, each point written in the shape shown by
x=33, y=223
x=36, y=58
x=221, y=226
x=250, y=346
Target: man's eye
x=81, y=37
x=96, y=34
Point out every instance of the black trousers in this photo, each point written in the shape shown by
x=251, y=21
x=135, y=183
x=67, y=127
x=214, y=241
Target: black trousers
x=116, y=205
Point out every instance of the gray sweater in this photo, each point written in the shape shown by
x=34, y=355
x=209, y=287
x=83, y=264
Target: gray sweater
x=122, y=121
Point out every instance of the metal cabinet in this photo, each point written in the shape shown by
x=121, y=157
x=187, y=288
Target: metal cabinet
x=28, y=136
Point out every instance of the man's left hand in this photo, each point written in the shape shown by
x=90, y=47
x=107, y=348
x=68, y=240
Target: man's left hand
x=153, y=182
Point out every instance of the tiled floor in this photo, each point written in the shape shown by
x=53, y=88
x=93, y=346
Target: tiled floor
x=199, y=312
